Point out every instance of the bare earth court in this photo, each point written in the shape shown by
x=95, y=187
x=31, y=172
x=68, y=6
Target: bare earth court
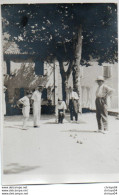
x=60, y=153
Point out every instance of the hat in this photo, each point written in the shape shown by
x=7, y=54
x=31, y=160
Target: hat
x=59, y=99
x=28, y=92
x=100, y=78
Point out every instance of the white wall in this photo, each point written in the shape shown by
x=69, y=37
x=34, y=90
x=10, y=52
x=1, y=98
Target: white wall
x=88, y=82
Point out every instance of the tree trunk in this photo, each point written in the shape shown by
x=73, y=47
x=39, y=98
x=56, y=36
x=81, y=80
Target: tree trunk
x=76, y=63
x=65, y=77
x=64, y=80
x=64, y=87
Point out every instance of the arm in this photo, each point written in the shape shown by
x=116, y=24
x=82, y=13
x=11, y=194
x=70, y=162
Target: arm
x=20, y=101
x=109, y=91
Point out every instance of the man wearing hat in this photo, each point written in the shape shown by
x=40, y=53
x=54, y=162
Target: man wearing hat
x=73, y=104
x=36, y=100
x=102, y=93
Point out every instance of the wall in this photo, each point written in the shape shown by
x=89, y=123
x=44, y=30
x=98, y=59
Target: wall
x=89, y=85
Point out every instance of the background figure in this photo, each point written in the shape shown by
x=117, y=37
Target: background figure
x=36, y=100
x=26, y=108
x=73, y=104
x=60, y=110
x=103, y=91
x=4, y=101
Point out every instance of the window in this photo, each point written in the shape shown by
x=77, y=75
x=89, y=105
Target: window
x=107, y=71
x=39, y=68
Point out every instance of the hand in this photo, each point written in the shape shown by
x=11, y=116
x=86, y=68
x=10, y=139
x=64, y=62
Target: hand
x=56, y=120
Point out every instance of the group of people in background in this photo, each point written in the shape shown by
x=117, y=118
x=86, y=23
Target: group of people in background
x=102, y=93
x=36, y=102
x=61, y=107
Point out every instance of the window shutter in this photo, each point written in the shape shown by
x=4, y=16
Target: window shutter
x=39, y=68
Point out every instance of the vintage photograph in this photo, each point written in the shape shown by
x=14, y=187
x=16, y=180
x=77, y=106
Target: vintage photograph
x=60, y=93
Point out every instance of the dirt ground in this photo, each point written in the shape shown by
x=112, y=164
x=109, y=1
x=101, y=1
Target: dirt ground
x=60, y=153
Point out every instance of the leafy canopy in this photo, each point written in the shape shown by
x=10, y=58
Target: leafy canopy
x=52, y=29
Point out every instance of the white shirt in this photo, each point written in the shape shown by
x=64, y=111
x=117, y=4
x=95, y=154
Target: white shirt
x=73, y=95
x=25, y=101
x=36, y=96
x=103, y=91
x=60, y=106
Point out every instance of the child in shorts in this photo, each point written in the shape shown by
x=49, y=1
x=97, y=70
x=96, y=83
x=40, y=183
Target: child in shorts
x=25, y=101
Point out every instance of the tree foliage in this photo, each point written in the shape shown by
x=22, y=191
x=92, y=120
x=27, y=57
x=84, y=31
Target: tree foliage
x=51, y=30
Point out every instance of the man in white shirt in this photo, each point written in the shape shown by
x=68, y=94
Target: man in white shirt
x=103, y=91
x=36, y=100
x=73, y=104
x=60, y=110
x=26, y=108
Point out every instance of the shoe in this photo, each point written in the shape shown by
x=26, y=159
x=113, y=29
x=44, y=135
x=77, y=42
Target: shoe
x=99, y=131
x=36, y=126
x=24, y=128
x=105, y=129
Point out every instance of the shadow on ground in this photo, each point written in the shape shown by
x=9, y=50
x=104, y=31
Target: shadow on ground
x=80, y=131
x=15, y=168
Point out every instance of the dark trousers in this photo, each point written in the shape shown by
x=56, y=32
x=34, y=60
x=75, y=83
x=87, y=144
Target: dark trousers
x=60, y=116
x=73, y=109
x=101, y=113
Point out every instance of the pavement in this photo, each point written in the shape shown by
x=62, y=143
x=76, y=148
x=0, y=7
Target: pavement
x=59, y=153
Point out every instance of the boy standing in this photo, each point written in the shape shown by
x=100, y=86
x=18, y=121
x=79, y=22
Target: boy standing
x=103, y=91
x=60, y=110
x=26, y=108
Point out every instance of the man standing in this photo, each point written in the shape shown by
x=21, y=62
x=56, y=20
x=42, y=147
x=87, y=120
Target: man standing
x=103, y=91
x=36, y=100
x=73, y=104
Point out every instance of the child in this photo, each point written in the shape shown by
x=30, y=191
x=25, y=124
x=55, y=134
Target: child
x=26, y=108
x=60, y=110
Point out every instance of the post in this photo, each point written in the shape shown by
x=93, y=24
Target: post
x=54, y=83
x=8, y=66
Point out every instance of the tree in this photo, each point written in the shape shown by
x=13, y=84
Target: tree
x=69, y=32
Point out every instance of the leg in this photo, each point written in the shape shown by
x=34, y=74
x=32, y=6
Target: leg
x=59, y=117
x=71, y=115
x=25, y=122
x=76, y=109
x=35, y=115
x=62, y=117
x=99, y=121
x=98, y=113
x=71, y=110
x=76, y=116
x=104, y=116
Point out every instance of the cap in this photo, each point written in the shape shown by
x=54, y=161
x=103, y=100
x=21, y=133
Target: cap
x=100, y=78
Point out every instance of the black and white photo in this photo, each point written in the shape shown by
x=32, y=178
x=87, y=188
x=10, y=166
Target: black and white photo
x=59, y=93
